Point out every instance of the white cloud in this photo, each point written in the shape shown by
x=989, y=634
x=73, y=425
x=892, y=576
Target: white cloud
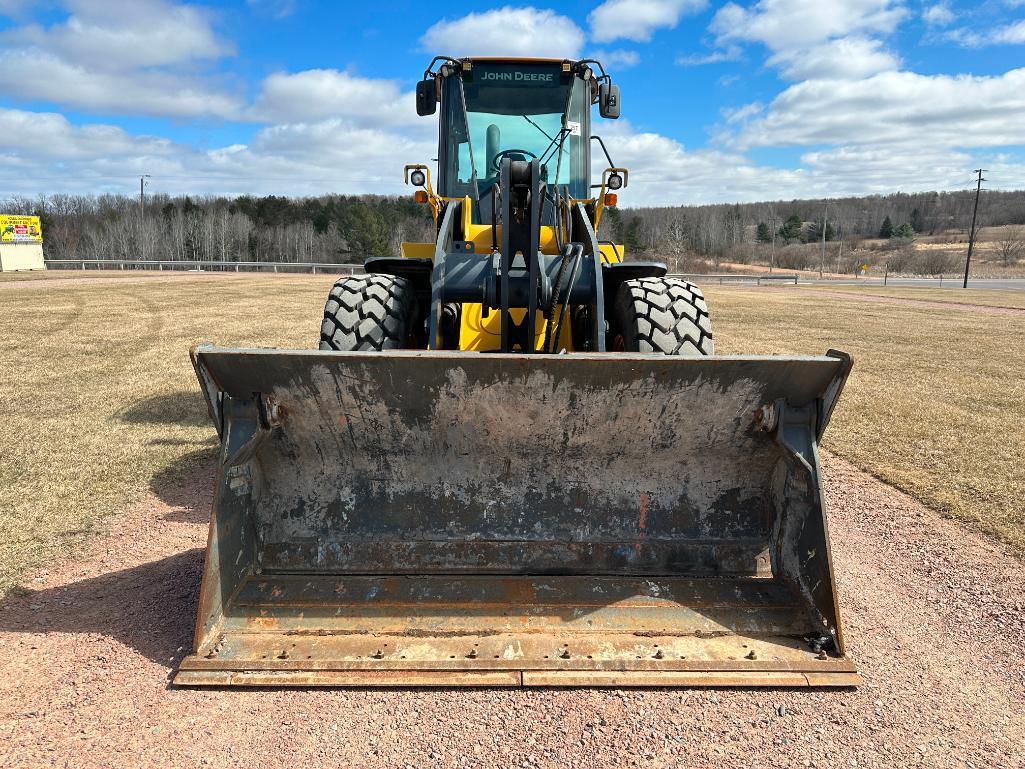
x=322, y=93
x=896, y=108
x=638, y=19
x=118, y=36
x=14, y=7
x=742, y=114
x=278, y=9
x=45, y=153
x=883, y=170
x=938, y=15
x=137, y=58
x=37, y=75
x=51, y=137
x=506, y=32
x=783, y=25
x=846, y=58
x=664, y=173
x=1011, y=34
x=617, y=59
x=730, y=53
x=1008, y=34
x=865, y=126
x=49, y=154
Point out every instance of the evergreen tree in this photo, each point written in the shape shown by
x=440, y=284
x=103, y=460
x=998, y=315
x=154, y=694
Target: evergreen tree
x=631, y=233
x=791, y=229
x=904, y=232
x=886, y=231
x=366, y=230
x=813, y=232
x=763, y=235
x=917, y=221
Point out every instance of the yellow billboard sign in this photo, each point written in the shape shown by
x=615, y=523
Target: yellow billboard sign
x=20, y=229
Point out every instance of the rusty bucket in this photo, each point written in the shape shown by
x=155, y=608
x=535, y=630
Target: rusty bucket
x=434, y=518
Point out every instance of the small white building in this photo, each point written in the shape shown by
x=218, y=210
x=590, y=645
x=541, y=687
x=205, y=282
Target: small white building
x=21, y=243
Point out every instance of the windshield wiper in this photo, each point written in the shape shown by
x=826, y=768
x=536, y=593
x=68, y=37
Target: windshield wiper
x=560, y=137
x=539, y=128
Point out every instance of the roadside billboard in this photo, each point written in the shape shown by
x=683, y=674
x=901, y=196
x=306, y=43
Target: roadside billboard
x=20, y=229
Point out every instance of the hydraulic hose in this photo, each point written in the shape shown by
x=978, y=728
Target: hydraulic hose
x=551, y=343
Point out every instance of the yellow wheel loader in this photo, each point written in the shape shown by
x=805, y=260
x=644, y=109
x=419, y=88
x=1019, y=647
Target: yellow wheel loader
x=515, y=459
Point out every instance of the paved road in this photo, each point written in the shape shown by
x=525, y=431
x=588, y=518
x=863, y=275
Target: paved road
x=782, y=278
x=1004, y=284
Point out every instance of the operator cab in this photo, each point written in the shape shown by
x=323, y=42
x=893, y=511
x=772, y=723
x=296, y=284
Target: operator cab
x=493, y=109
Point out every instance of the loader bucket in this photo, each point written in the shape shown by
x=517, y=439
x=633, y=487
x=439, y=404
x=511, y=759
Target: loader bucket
x=434, y=518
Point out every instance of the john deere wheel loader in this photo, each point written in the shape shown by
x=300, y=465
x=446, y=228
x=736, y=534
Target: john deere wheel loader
x=515, y=460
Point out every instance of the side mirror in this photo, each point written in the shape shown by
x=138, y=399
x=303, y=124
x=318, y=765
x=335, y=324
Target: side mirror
x=608, y=100
x=426, y=97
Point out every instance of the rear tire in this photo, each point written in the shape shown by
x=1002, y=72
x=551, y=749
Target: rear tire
x=666, y=315
x=368, y=312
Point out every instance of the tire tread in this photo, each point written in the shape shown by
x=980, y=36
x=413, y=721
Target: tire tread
x=368, y=312
x=666, y=315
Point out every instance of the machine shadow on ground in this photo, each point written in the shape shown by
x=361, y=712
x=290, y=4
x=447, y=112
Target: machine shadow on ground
x=183, y=408
x=186, y=486
x=149, y=608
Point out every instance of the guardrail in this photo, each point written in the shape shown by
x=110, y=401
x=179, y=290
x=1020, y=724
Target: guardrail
x=210, y=265
x=201, y=265
x=737, y=277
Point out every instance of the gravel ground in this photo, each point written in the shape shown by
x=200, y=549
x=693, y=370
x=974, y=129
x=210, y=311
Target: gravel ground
x=933, y=615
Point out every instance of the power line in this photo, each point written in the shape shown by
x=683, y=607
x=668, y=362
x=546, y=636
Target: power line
x=971, y=236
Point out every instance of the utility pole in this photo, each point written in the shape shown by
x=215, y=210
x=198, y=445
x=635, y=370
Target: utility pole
x=143, y=245
x=839, y=254
x=971, y=234
x=822, y=259
x=142, y=194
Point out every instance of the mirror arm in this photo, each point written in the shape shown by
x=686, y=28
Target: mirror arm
x=429, y=73
x=596, y=137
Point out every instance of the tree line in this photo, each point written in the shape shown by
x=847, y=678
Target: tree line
x=348, y=228
x=330, y=228
x=726, y=232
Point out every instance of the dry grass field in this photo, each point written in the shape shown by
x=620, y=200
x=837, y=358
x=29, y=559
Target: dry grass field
x=1014, y=300
x=99, y=395
x=104, y=431
x=100, y=402
x=937, y=397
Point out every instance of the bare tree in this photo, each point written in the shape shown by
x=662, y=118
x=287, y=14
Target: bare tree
x=674, y=241
x=1011, y=246
x=934, y=262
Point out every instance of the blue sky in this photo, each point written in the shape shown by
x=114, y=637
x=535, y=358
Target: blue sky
x=721, y=101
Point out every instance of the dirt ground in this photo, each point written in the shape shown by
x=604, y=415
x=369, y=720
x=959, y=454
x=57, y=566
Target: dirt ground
x=933, y=613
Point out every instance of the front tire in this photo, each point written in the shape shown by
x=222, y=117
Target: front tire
x=666, y=315
x=368, y=312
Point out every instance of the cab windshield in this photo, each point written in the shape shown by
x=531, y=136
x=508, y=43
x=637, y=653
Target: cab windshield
x=519, y=111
